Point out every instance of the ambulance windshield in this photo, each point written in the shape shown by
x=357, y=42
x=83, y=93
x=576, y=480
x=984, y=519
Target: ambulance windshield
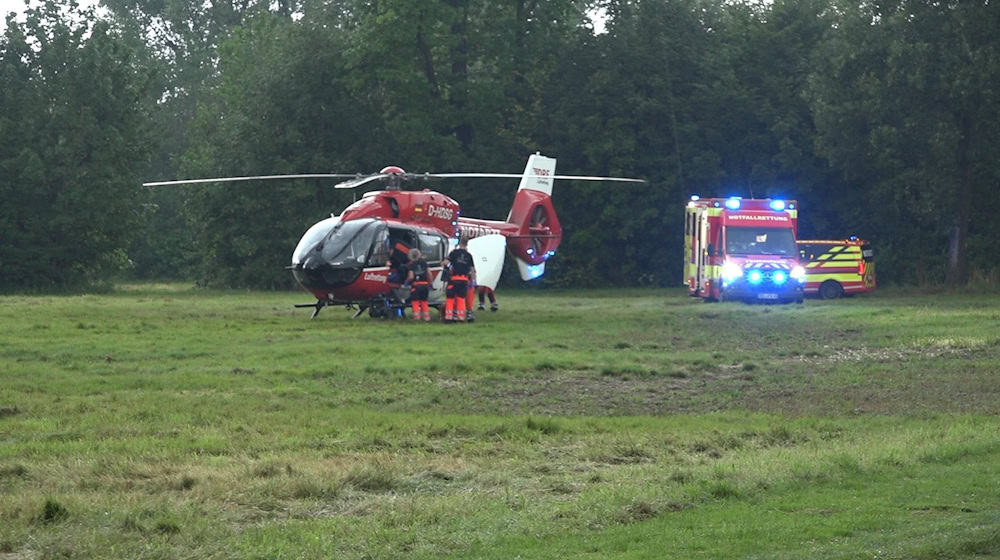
x=760, y=241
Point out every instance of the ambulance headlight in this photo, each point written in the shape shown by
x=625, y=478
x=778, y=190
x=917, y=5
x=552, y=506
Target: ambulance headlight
x=731, y=271
x=799, y=274
x=754, y=276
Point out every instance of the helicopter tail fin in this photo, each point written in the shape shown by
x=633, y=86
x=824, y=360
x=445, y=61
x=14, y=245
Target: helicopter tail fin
x=539, y=232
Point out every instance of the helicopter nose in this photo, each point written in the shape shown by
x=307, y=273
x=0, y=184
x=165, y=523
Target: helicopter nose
x=312, y=262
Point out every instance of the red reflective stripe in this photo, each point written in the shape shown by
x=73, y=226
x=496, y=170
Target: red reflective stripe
x=402, y=248
x=460, y=278
x=420, y=282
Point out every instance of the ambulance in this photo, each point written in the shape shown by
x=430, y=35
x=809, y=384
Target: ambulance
x=837, y=267
x=742, y=249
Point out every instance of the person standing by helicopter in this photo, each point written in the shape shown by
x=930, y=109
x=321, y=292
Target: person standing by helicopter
x=418, y=277
x=462, y=271
x=484, y=292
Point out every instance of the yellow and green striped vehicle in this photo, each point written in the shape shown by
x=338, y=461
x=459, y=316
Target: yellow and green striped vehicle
x=836, y=268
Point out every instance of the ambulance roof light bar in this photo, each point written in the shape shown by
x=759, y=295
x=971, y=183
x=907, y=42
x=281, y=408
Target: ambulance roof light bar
x=736, y=203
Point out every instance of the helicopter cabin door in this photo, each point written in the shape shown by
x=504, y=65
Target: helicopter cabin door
x=432, y=247
x=488, y=252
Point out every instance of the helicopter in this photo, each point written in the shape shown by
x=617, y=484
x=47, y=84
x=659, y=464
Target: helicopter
x=344, y=259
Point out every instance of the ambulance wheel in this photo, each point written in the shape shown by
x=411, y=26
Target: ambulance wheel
x=831, y=289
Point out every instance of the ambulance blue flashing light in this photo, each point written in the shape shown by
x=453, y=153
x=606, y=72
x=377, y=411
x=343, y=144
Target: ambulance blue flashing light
x=733, y=203
x=852, y=238
x=779, y=277
x=695, y=197
x=777, y=205
x=754, y=277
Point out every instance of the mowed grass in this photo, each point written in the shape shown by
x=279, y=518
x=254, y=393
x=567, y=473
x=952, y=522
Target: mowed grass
x=165, y=422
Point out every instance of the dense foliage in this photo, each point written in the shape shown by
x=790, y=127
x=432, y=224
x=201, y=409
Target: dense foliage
x=73, y=110
x=879, y=117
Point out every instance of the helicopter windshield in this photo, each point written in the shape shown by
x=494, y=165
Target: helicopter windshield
x=313, y=236
x=350, y=242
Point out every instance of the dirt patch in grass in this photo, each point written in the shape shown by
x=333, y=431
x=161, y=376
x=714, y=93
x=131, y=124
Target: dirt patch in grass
x=866, y=354
x=574, y=393
x=836, y=381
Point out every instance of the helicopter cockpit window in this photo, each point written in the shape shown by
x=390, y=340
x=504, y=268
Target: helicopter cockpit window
x=431, y=247
x=380, y=249
x=315, y=234
x=350, y=243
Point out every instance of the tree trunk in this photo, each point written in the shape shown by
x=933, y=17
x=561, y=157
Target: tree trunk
x=460, y=74
x=958, y=259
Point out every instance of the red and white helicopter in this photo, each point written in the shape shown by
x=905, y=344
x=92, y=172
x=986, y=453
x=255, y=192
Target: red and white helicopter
x=342, y=260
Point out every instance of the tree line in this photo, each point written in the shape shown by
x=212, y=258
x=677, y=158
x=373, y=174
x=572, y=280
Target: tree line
x=879, y=117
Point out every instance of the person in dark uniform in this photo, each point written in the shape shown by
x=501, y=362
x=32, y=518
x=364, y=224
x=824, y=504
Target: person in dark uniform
x=462, y=271
x=418, y=277
x=399, y=255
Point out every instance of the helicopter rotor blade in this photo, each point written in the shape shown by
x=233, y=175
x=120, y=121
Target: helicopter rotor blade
x=596, y=178
x=252, y=178
x=519, y=175
x=358, y=181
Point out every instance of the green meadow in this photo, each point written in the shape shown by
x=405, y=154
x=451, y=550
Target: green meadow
x=160, y=421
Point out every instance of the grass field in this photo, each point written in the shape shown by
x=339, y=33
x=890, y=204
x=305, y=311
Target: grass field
x=165, y=422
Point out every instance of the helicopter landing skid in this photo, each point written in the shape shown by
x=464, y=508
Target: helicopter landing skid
x=320, y=304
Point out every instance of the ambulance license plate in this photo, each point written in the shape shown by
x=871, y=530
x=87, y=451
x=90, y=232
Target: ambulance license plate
x=767, y=296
